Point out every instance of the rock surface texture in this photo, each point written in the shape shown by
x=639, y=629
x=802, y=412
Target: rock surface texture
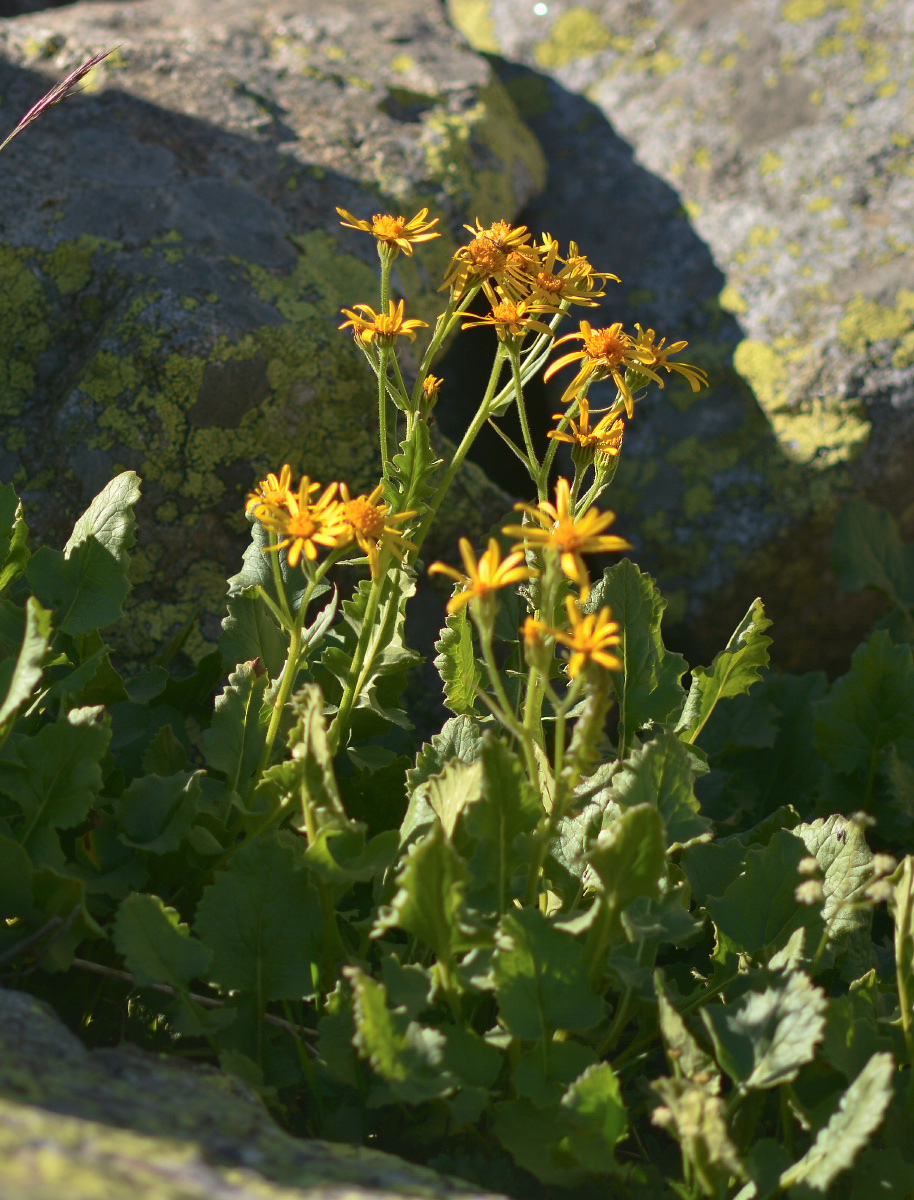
x=746, y=167
x=172, y=268
x=125, y=1125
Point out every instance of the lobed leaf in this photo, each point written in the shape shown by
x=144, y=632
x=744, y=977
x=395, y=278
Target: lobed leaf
x=456, y=664
x=235, y=739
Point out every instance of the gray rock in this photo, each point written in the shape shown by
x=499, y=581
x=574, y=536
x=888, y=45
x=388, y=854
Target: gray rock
x=128, y=1125
x=745, y=166
x=172, y=268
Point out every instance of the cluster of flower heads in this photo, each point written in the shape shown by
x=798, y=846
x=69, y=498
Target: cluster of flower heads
x=303, y=525
x=554, y=531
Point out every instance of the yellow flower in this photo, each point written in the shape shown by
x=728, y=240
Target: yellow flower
x=605, y=352
x=394, y=233
x=604, y=438
x=576, y=282
x=484, y=577
x=656, y=356
x=499, y=252
x=384, y=328
x=271, y=492
x=589, y=639
x=430, y=388
x=512, y=318
x=302, y=525
x=372, y=526
x=570, y=536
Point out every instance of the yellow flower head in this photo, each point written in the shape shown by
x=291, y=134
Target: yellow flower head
x=576, y=282
x=604, y=353
x=381, y=327
x=271, y=492
x=303, y=526
x=499, y=252
x=605, y=437
x=589, y=639
x=651, y=355
x=569, y=536
x=394, y=233
x=512, y=318
x=372, y=525
x=484, y=577
x=430, y=388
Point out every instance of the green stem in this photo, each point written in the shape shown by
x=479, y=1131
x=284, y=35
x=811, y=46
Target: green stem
x=444, y=325
x=354, y=680
x=535, y=474
x=552, y=450
x=278, y=579
x=287, y=679
x=384, y=353
x=482, y=415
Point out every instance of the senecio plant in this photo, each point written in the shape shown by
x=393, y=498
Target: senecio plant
x=569, y=944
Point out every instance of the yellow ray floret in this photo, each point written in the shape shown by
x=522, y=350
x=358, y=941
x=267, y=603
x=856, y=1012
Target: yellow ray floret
x=386, y=327
x=605, y=437
x=373, y=526
x=395, y=233
x=557, y=529
x=484, y=577
x=588, y=640
x=605, y=353
x=271, y=492
x=513, y=318
x=304, y=526
x=499, y=252
x=654, y=356
x=577, y=282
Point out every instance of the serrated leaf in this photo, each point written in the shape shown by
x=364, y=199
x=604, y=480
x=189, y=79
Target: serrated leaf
x=758, y=911
x=448, y=794
x=55, y=775
x=764, y=1039
x=869, y=708
x=660, y=773
x=260, y=919
x=456, y=663
x=629, y=857
x=14, y=537
x=541, y=981
x=27, y=672
x=234, y=742
x=155, y=814
x=411, y=468
x=846, y=863
x=734, y=670
x=648, y=690
x=87, y=582
x=860, y=1112
x=697, y=1118
x=428, y=902
x=460, y=737
x=312, y=761
x=409, y=1057
x=867, y=551
x=155, y=945
x=594, y=1108
x=249, y=632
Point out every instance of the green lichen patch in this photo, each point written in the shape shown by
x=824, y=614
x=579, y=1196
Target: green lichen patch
x=577, y=33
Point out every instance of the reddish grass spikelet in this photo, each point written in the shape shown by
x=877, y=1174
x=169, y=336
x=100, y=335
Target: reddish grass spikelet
x=60, y=91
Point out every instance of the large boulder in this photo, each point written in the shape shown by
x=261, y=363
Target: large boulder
x=127, y=1125
x=172, y=268
x=746, y=168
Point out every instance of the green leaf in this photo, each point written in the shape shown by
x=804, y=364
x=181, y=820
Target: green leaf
x=407, y=1055
x=155, y=814
x=732, y=672
x=867, y=551
x=697, y=1117
x=156, y=946
x=409, y=479
x=860, y=1112
x=869, y=708
x=249, y=632
x=261, y=920
x=543, y=1072
x=456, y=663
x=236, y=737
x=758, y=911
x=15, y=880
x=14, y=537
x=55, y=775
x=460, y=737
x=684, y=1054
x=764, y=1039
x=593, y=1106
x=165, y=755
x=541, y=982
x=87, y=582
x=846, y=863
x=648, y=688
x=529, y=1135
x=313, y=763
x=629, y=857
x=901, y=906
x=428, y=903
x=27, y=672
x=660, y=773
x=448, y=794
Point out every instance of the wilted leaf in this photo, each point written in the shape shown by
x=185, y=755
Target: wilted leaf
x=836, y=1146
x=732, y=672
x=540, y=979
x=156, y=946
x=763, y=1039
x=87, y=582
